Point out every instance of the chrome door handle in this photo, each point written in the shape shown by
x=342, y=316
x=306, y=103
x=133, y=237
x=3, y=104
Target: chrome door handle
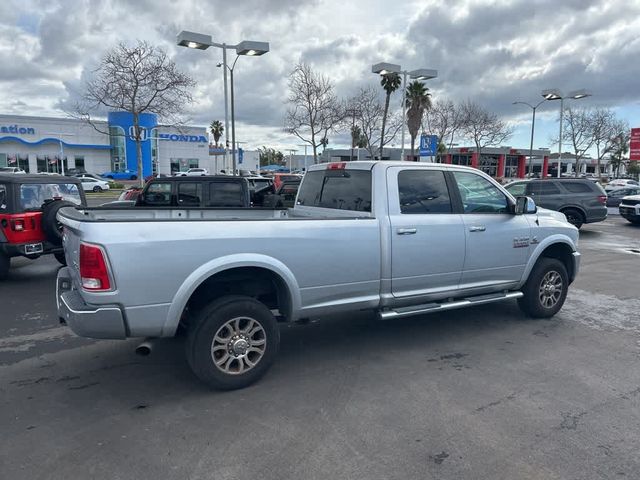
x=477, y=228
x=406, y=231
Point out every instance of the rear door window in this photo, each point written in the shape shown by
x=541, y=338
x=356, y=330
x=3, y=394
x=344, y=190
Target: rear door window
x=158, y=194
x=190, y=194
x=577, y=187
x=226, y=194
x=341, y=189
x=544, y=188
x=423, y=191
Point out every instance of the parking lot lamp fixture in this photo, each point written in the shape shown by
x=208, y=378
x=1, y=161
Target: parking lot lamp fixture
x=201, y=41
x=555, y=94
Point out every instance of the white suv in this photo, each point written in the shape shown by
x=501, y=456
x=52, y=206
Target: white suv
x=193, y=172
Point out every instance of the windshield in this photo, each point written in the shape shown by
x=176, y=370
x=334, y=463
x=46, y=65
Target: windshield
x=33, y=195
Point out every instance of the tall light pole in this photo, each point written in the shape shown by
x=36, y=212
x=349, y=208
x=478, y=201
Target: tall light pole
x=291, y=152
x=419, y=74
x=250, y=48
x=555, y=94
x=305, y=145
x=533, y=126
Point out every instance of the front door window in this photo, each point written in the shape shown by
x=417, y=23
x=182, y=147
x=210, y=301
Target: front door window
x=479, y=195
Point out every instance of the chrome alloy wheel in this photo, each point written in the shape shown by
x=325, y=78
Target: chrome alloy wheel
x=238, y=345
x=550, y=289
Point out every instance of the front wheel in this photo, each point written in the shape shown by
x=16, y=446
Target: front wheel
x=97, y=189
x=546, y=289
x=133, y=177
x=233, y=342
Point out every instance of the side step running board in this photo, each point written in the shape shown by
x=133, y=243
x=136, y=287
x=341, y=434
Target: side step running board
x=439, y=307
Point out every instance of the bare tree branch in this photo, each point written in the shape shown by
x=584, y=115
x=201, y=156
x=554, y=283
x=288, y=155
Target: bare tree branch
x=484, y=128
x=138, y=79
x=314, y=109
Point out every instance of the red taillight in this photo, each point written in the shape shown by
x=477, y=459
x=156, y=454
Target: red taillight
x=602, y=199
x=337, y=166
x=93, y=268
x=17, y=224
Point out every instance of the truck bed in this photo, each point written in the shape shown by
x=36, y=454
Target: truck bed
x=145, y=214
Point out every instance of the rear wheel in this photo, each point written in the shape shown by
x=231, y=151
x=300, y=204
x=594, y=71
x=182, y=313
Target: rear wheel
x=574, y=217
x=546, y=289
x=60, y=258
x=233, y=342
x=97, y=189
x=133, y=177
x=5, y=263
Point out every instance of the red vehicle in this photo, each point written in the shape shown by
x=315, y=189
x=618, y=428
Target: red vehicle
x=28, y=208
x=278, y=178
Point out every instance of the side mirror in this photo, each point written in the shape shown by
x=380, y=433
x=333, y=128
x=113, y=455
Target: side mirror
x=525, y=205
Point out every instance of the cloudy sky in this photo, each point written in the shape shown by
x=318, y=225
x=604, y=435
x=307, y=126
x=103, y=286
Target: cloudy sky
x=493, y=52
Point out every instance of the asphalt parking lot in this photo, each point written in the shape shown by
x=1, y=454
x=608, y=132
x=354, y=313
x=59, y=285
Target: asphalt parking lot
x=484, y=393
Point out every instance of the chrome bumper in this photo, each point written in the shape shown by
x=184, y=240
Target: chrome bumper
x=93, y=321
x=576, y=265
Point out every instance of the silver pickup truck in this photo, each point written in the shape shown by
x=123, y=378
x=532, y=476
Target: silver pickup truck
x=395, y=238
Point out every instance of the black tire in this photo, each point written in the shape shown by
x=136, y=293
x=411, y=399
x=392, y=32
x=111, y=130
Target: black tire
x=634, y=221
x=535, y=302
x=97, y=189
x=50, y=225
x=60, y=258
x=133, y=177
x=110, y=176
x=574, y=216
x=214, y=319
x=5, y=264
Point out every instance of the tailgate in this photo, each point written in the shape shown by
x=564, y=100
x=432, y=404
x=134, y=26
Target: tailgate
x=71, y=237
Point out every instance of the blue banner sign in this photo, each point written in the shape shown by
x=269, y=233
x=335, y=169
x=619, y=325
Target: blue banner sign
x=428, y=145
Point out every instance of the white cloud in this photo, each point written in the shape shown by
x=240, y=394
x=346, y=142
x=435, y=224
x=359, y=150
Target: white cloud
x=492, y=51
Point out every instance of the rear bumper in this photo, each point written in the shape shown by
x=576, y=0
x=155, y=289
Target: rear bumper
x=20, y=249
x=597, y=215
x=93, y=321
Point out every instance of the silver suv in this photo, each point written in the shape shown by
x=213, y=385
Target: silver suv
x=582, y=201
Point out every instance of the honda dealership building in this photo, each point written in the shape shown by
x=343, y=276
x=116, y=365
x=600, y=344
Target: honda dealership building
x=43, y=144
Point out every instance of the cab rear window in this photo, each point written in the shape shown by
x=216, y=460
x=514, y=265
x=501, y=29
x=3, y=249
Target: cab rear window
x=342, y=189
x=34, y=195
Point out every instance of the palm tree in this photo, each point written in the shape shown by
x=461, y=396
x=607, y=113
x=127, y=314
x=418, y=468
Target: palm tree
x=217, y=129
x=418, y=100
x=390, y=82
